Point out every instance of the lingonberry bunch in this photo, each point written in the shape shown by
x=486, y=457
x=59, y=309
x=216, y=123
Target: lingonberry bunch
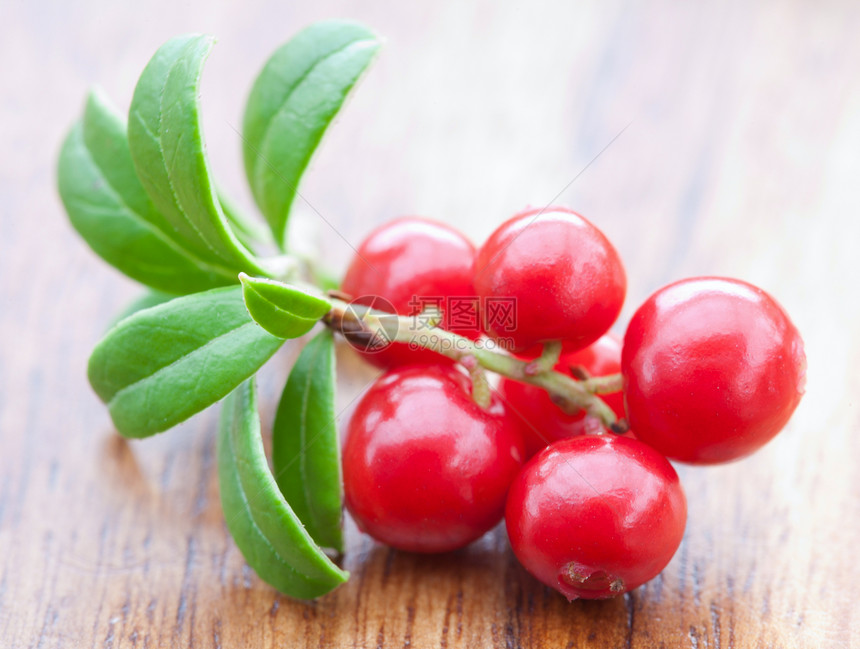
x=708, y=371
x=504, y=392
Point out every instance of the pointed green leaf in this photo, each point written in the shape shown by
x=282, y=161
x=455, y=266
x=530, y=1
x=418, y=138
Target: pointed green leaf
x=109, y=208
x=305, y=448
x=158, y=367
x=282, y=310
x=166, y=140
x=297, y=94
x=268, y=533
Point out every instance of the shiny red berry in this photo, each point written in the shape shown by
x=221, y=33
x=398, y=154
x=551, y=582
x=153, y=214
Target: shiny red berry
x=596, y=516
x=561, y=274
x=713, y=369
x=425, y=469
x=415, y=263
x=541, y=421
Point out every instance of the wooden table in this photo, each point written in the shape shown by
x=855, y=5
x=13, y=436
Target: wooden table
x=740, y=156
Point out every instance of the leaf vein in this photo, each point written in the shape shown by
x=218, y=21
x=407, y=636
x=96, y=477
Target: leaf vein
x=197, y=350
x=141, y=220
x=160, y=143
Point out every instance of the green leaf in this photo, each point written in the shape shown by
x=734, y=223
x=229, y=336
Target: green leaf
x=305, y=448
x=268, y=533
x=165, y=136
x=297, y=94
x=158, y=367
x=109, y=208
x=282, y=310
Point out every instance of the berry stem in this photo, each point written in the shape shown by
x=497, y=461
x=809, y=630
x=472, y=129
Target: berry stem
x=605, y=384
x=362, y=325
x=481, y=391
x=547, y=360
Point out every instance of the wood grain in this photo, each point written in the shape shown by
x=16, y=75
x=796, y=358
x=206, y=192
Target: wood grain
x=740, y=155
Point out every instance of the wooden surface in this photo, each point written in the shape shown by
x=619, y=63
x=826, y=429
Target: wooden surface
x=741, y=157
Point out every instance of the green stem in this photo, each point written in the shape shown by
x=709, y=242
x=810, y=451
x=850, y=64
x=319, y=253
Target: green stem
x=481, y=391
x=570, y=395
x=605, y=384
x=547, y=360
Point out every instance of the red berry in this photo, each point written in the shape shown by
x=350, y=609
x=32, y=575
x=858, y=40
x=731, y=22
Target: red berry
x=541, y=421
x=415, y=263
x=713, y=369
x=596, y=516
x=425, y=469
x=561, y=273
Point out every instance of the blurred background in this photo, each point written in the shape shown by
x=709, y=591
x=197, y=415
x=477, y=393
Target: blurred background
x=716, y=138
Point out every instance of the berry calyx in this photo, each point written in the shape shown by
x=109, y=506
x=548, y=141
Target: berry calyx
x=713, y=369
x=596, y=516
x=561, y=276
x=415, y=265
x=541, y=421
x=425, y=468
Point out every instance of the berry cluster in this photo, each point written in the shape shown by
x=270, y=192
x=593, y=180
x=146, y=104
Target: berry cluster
x=571, y=447
x=504, y=394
